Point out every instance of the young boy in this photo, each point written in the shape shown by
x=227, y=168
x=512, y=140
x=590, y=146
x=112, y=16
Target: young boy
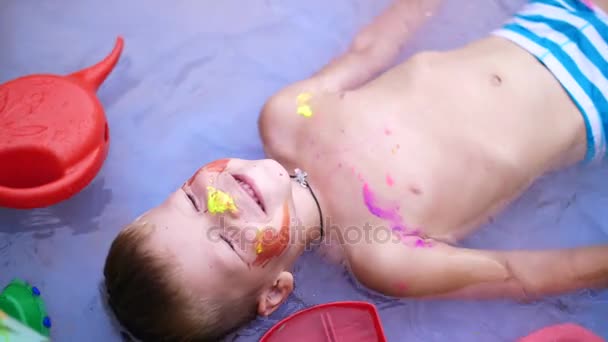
x=400, y=167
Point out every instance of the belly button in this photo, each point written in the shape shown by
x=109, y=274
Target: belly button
x=496, y=80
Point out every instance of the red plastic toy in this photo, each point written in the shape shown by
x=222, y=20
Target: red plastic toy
x=567, y=332
x=332, y=322
x=54, y=136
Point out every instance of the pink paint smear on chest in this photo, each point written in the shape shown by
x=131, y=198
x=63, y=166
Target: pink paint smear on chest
x=391, y=215
x=389, y=180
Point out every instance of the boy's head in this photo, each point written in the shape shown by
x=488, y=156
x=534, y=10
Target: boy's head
x=211, y=257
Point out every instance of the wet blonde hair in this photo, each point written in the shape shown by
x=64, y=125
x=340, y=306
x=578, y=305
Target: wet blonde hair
x=147, y=302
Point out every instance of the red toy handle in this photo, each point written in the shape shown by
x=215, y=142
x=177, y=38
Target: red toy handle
x=94, y=76
x=54, y=136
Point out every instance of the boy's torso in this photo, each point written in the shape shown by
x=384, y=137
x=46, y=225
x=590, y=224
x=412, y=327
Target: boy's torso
x=438, y=143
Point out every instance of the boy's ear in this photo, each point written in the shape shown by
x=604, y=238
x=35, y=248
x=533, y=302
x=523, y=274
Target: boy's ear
x=272, y=297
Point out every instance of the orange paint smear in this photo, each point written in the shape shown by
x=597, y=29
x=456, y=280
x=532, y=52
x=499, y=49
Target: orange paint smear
x=215, y=166
x=273, y=245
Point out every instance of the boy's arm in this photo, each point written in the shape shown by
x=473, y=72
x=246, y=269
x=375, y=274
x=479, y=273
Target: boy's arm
x=376, y=46
x=443, y=271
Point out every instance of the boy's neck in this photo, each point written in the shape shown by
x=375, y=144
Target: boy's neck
x=307, y=226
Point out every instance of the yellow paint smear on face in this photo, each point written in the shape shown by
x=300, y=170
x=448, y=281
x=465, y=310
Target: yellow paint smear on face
x=304, y=108
x=258, y=237
x=218, y=202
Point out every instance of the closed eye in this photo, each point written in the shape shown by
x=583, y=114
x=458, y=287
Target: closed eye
x=229, y=243
x=192, y=200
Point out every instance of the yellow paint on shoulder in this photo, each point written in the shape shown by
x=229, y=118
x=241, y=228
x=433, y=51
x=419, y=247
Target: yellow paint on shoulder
x=303, y=98
x=304, y=108
x=305, y=111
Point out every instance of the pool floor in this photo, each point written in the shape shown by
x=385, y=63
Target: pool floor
x=187, y=90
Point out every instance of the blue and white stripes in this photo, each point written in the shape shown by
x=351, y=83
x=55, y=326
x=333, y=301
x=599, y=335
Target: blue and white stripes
x=571, y=40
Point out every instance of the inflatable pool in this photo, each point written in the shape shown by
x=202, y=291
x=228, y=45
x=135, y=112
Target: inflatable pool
x=187, y=89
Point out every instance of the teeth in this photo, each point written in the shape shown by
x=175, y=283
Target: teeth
x=249, y=190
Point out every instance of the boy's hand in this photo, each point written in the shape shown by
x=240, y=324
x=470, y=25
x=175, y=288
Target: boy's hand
x=377, y=45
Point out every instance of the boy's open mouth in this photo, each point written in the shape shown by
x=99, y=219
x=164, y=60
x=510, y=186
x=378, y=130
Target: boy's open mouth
x=249, y=188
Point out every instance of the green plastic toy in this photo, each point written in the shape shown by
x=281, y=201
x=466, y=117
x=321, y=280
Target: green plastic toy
x=12, y=330
x=23, y=302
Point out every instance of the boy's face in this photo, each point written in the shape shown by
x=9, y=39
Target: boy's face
x=228, y=227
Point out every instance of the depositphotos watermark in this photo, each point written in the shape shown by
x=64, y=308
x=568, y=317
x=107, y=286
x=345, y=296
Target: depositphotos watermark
x=298, y=233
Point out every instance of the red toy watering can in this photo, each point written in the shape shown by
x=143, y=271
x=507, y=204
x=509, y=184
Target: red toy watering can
x=54, y=136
